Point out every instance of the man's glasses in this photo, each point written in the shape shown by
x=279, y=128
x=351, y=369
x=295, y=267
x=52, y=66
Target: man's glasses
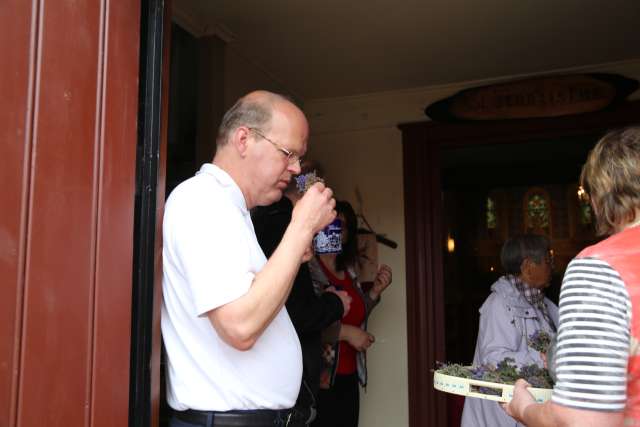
x=292, y=157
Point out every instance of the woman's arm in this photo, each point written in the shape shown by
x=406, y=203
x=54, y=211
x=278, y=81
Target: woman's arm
x=383, y=279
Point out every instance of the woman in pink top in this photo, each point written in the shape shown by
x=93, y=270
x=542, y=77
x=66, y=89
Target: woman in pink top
x=597, y=355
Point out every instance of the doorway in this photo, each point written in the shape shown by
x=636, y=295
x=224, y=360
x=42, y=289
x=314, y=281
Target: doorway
x=430, y=152
x=496, y=191
x=491, y=193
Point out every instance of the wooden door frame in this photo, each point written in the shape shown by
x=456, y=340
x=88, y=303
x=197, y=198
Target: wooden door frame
x=421, y=145
x=144, y=386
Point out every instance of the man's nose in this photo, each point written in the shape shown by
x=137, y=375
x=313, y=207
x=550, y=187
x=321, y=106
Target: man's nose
x=295, y=167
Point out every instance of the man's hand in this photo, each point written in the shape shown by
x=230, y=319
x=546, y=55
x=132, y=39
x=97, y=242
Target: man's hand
x=357, y=337
x=381, y=282
x=315, y=209
x=521, y=400
x=344, y=298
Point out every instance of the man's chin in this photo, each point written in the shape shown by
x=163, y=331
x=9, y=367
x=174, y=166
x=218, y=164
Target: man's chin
x=271, y=197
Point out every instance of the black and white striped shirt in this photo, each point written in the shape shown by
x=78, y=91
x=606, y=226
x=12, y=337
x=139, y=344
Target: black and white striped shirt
x=593, y=338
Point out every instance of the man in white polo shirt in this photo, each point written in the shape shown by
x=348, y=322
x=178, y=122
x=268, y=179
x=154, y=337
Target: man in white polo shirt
x=233, y=356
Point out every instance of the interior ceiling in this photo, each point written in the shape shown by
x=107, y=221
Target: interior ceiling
x=335, y=48
x=549, y=152
x=536, y=162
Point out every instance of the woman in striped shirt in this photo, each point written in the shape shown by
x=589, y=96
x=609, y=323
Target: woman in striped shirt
x=597, y=357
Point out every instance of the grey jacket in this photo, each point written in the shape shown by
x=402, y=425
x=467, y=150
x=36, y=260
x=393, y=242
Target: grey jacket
x=507, y=320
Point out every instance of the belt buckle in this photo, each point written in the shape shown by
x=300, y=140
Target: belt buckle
x=288, y=419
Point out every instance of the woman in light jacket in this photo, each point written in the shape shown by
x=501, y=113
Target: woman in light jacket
x=515, y=310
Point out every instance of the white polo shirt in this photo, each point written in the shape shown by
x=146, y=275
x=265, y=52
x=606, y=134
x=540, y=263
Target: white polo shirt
x=210, y=257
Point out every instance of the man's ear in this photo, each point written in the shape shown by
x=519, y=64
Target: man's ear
x=240, y=140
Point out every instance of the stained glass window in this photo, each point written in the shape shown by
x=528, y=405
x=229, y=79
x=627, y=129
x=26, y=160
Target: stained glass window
x=537, y=211
x=585, y=213
x=491, y=214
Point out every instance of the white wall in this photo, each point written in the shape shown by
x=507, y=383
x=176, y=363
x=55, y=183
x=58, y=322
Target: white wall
x=370, y=160
x=357, y=142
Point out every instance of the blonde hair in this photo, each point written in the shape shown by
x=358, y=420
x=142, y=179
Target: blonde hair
x=611, y=177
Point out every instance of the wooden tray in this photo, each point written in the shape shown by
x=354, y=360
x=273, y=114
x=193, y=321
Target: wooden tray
x=470, y=387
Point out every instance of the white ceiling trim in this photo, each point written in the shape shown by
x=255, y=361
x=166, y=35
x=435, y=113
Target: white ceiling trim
x=186, y=20
x=388, y=109
x=197, y=26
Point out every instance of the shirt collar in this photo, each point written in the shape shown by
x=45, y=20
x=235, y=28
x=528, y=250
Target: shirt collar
x=225, y=181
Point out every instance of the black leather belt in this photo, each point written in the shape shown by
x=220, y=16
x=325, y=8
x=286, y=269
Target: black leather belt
x=246, y=418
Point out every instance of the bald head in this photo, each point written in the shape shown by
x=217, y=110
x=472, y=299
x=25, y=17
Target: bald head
x=254, y=110
x=262, y=169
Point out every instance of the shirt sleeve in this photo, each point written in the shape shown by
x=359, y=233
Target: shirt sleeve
x=213, y=247
x=593, y=338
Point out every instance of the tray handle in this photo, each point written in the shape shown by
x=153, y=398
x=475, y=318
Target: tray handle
x=504, y=388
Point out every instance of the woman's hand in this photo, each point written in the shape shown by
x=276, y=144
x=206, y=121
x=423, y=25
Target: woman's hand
x=522, y=398
x=381, y=282
x=356, y=337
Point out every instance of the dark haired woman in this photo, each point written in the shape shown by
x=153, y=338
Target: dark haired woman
x=348, y=339
x=515, y=310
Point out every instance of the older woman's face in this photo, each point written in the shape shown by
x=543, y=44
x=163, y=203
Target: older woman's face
x=537, y=275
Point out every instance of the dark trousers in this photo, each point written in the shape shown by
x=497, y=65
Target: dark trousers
x=339, y=406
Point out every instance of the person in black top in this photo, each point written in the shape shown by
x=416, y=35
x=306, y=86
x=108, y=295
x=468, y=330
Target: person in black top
x=310, y=314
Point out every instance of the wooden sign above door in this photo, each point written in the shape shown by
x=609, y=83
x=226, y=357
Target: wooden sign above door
x=549, y=96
